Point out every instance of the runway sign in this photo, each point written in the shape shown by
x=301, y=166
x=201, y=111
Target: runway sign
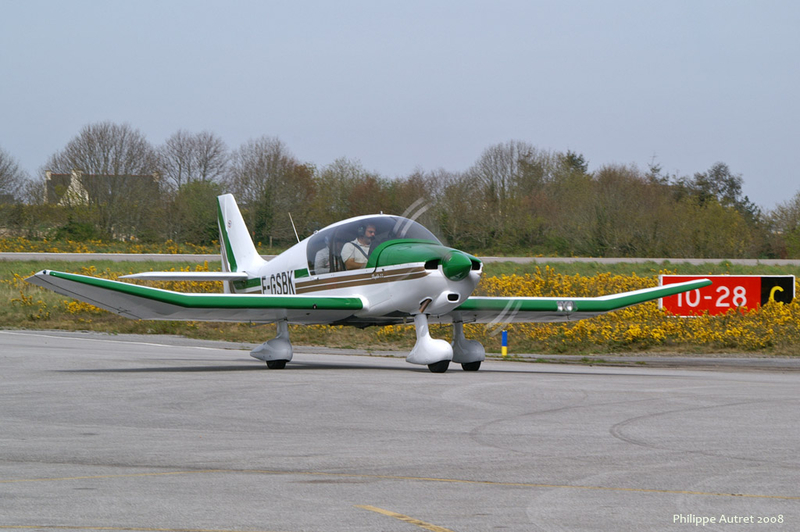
x=727, y=292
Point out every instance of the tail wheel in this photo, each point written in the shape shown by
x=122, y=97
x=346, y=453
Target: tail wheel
x=276, y=364
x=471, y=366
x=439, y=367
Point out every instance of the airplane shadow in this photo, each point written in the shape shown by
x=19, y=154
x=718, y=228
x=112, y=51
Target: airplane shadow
x=319, y=366
x=291, y=367
x=172, y=369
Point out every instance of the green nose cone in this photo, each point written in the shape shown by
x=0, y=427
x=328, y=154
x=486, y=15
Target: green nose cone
x=456, y=266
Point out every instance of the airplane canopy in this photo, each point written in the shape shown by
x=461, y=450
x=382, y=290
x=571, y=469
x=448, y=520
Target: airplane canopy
x=325, y=247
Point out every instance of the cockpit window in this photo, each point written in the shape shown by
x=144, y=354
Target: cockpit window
x=357, y=240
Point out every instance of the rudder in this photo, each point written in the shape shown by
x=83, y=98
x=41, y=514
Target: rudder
x=238, y=252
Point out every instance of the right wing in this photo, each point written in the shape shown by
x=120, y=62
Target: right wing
x=557, y=309
x=147, y=303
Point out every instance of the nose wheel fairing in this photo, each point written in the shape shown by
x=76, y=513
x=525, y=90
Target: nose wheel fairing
x=428, y=350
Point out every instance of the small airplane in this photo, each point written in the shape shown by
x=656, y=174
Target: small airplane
x=364, y=271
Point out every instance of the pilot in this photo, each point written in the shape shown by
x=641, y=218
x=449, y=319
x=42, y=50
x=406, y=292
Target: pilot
x=355, y=253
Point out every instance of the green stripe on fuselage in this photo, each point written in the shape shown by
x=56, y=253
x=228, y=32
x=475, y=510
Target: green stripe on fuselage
x=249, y=283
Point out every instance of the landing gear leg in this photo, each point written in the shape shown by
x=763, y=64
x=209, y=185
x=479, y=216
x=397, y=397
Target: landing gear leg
x=278, y=351
x=468, y=353
x=436, y=354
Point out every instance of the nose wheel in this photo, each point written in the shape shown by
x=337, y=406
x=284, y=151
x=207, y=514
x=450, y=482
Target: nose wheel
x=439, y=367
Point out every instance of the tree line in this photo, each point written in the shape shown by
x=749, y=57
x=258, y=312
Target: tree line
x=515, y=199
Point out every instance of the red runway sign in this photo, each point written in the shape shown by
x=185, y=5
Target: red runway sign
x=727, y=292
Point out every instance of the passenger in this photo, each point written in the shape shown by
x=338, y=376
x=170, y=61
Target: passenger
x=322, y=260
x=355, y=253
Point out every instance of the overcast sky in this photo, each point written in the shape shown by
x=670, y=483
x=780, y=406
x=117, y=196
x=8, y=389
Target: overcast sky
x=419, y=84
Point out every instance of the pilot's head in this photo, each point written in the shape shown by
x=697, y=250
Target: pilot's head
x=367, y=235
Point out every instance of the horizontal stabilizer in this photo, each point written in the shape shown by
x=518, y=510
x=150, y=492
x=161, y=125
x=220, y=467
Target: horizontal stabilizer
x=147, y=303
x=188, y=276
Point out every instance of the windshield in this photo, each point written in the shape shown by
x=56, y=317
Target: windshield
x=349, y=245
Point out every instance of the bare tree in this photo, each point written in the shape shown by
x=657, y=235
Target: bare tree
x=511, y=176
x=335, y=184
x=106, y=156
x=457, y=207
x=413, y=196
x=212, y=156
x=270, y=183
x=177, y=159
x=515, y=167
x=12, y=178
x=106, y=148
x=257, y=167
x=569, y=211
x=626, y=207
x=187, y=157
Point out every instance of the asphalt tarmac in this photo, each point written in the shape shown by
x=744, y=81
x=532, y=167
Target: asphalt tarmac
x=144, y=433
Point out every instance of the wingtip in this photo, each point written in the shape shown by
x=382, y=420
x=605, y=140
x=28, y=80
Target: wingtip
x=37, y=277
x=40, y=273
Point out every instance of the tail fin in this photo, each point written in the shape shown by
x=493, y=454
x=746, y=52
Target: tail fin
x=236, y=247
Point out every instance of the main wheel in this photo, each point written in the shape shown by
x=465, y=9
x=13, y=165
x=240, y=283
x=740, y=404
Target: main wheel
x=471, y=366
x=276, y=364
x=439, y=367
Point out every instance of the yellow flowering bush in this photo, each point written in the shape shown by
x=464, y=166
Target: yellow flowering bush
x=176, y=286
x=23, y=245
x=72, y=306
x=35, y=309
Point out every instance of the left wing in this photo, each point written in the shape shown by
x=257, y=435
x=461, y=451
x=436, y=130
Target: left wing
x=188, y=276
x=147, y=303
x=556, y=309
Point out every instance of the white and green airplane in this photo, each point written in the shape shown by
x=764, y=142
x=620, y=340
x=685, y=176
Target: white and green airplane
x=369, y=270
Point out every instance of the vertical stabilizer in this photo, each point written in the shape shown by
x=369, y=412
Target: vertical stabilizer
x=236, y=247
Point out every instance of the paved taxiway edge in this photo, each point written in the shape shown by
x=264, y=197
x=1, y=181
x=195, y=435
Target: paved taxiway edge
x=727, y=362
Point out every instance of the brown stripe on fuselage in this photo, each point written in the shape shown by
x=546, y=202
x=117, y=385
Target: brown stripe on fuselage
x=357, y=276
x=333, y=283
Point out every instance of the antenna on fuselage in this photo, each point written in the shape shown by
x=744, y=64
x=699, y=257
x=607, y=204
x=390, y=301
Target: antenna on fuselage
x=295, y=228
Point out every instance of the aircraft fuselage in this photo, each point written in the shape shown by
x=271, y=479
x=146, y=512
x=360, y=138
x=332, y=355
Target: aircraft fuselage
x=401, y=277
